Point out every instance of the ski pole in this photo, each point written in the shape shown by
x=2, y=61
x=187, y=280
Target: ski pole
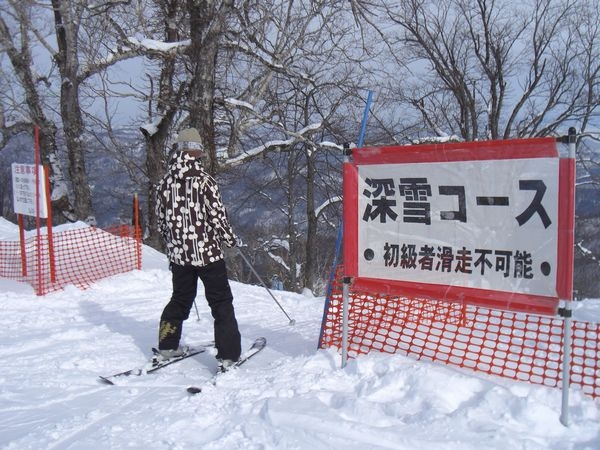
x=197, y=314
x=292, y=321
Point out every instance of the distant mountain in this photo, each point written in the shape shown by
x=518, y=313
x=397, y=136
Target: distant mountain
x=252, y=213
x=587, y=196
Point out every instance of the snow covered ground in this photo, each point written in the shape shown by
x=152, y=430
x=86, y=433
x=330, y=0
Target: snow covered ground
x=291, y=396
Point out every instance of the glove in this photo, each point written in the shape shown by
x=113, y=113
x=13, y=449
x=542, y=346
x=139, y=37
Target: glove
x=238, y=242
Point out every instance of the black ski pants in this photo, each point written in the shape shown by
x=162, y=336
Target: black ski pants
x=220, y=300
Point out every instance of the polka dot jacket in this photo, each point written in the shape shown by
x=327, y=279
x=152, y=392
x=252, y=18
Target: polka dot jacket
x=191, y=216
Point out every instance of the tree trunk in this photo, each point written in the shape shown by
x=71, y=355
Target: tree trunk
x=292, y=226
x=60, y=203
x=207, y=22
x=311, y=229
x=21, y=61
x=66, y=23
x=168, y=102
x=155, y=168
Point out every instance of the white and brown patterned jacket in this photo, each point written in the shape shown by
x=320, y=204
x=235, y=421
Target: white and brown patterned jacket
x=191, y=216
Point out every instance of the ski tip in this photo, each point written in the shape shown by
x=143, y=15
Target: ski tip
x=105, y=380
x=194, y=390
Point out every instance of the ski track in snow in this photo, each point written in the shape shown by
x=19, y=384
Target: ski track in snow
x=291, y=396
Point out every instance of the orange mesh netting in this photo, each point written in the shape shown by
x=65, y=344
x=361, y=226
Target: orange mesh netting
x=80, y=257
x=521, y=346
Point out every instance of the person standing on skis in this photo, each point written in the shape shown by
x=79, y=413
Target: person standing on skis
x=193, y=223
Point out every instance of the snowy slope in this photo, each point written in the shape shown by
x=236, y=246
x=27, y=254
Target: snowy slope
x=291, y=396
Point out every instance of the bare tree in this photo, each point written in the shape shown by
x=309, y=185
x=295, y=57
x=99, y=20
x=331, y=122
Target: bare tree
x=15, y=39
x=77, y=27
x=208, y=24
x=262, y=77
x=280, y=84
x=186, y=83
x=295, y=82
x=493, y=69
x=78, y=58
x=165, y=98
x=67, y=22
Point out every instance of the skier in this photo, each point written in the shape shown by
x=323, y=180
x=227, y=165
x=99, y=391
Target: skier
x=193, y=223
x=276, y=283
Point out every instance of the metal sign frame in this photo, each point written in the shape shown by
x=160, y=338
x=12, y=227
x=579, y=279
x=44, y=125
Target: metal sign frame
x=543, y=216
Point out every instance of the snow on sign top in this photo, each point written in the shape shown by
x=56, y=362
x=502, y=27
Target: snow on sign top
x=481, y=223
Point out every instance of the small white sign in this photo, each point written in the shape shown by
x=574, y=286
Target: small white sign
x=24, y=190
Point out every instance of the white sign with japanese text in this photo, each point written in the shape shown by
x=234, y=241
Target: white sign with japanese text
x=486, y=224
x=24, y=190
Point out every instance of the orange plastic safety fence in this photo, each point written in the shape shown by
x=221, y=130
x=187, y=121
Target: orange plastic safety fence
x=521, y=346
x=80, y=257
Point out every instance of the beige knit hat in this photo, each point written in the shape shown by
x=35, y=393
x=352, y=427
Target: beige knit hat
x=189, y=140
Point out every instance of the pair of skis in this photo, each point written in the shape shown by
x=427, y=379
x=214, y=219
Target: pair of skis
x=156, y=363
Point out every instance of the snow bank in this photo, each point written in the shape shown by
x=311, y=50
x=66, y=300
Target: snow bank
x=291, y=396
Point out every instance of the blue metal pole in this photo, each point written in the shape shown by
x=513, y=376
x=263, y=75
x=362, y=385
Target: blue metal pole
x=363, y=126
x=338, y=243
